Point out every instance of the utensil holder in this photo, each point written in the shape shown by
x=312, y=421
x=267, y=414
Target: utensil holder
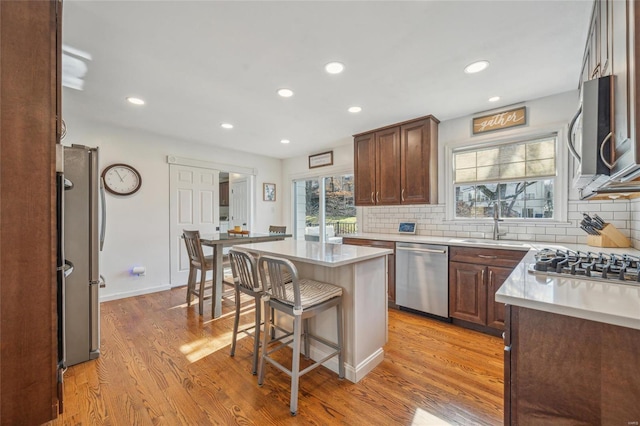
x=609, y=236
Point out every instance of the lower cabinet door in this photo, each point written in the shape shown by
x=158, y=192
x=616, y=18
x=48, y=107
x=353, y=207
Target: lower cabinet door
x=495, y=310
x=468, y=292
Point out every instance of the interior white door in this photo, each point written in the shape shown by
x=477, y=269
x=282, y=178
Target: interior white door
x=194, y=203
x=239, y=203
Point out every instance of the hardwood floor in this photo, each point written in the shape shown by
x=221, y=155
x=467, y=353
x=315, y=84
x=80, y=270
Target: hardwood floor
x=163, y=364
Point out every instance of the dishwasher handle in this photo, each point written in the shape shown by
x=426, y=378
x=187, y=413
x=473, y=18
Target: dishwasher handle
x=422, y=250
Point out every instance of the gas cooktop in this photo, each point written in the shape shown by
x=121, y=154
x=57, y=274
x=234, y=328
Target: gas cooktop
x=620, y=268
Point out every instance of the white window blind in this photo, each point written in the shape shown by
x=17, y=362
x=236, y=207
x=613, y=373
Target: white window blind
x=522, y=160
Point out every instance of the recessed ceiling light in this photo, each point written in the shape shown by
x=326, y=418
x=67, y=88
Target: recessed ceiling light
x=476, y=67
x=285, y=141
x=355, y=109
x=285, y=93
x=334, y=67
x=494, y=99
x=135, y=101
x=226, y=126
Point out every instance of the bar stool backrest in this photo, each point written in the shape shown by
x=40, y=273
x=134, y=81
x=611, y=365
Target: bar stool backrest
x=275, y=271
x=194, y=247
x=245, y=270
x=274, y=229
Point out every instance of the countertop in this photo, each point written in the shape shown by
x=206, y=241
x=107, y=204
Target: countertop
x=326, y=254
x=607, y=302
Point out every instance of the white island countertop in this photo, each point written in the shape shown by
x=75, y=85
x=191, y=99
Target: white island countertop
x=331, y=255
x=606, y=302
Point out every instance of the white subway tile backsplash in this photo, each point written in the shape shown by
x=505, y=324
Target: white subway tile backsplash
x=555, y=231
x=620, y=206
x=566, y=239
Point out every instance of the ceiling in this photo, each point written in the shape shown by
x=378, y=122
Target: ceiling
x=202, y=63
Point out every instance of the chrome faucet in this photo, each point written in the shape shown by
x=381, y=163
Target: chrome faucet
x=496, y=218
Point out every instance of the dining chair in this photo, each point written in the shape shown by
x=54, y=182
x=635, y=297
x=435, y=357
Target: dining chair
x=198, y=262
x=301, y=299
x=274, y=229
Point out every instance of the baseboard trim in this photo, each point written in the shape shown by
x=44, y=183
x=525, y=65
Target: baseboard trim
x=140, y=292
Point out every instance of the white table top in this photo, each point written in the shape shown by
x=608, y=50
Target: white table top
x=326, y=254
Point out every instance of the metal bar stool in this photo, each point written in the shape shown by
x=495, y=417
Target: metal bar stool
x=198, y=262
x=245, y=280
x=302, y=299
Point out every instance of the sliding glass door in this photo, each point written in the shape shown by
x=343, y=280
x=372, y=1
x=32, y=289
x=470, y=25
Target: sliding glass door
x=324, y=208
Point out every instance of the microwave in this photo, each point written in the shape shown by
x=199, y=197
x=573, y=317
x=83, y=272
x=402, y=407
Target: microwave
x=590, y=137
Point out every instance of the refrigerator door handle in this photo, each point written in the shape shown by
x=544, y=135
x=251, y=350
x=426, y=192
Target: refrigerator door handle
x=103, y=220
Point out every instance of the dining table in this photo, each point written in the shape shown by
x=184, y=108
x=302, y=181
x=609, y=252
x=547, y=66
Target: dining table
x=218, y=241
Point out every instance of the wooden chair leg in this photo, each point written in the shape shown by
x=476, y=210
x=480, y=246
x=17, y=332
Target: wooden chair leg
x=191, y=282
x=236, y=321
x=203, y=278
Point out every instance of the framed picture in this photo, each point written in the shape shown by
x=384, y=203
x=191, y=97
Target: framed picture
x=322, y=159
x=269, y=191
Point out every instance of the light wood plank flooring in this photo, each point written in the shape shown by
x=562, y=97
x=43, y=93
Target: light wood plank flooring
x=163, y=364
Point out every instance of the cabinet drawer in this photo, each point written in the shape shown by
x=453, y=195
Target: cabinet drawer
x=369, y=243
x=509, y=258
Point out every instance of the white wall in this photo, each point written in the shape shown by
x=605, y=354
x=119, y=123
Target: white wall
x=138, y=225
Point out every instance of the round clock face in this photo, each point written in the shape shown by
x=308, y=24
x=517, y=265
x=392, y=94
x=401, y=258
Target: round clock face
x=121, y=179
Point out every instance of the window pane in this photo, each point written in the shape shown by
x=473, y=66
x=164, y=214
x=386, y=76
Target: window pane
x=488, y=173
x=465, y=199
x=541, y=150
x=541, y=167
x=488, y=157
x=512, y=154
x=512, y=170
x=340, y=210
x=465, y=175
x=465, y=160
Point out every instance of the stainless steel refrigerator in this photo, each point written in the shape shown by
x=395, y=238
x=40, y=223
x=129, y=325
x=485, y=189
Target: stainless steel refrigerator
x=83, y=236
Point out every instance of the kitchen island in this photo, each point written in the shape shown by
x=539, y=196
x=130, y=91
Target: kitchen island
x=361, y=272
x=572, y=348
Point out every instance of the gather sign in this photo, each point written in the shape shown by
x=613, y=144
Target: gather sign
x=500, y=120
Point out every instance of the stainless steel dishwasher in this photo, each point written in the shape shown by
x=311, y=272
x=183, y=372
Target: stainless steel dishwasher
x=422, y=278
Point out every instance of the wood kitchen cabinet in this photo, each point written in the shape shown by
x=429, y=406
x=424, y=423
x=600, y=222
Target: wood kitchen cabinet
x=397, y=164
x=30, y=54
x=570, y=371
x=474, y=277
x=391, y=261
x=224, y=193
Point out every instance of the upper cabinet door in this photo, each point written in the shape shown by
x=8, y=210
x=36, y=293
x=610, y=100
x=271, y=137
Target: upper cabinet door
x=418, y=181
x=388, y=166
x=365, y=169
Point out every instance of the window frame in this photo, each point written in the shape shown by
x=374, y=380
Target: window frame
x=561, y=194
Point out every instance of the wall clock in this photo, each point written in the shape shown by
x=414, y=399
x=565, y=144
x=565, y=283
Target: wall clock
x=121, y=179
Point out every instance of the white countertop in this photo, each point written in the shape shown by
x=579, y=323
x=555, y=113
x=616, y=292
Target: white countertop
x=607, y=302
x=331, y=255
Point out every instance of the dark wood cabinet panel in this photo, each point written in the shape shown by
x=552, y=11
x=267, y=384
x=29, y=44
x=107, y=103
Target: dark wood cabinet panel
x=388, y=166
x=391, y=261
x=496, y=276
x=224, y=194
x=467, y=292
x=566, y=370
x=29, y=100
x=397, y=164
x=475, y=274
x=419, y=169
x=365, y=169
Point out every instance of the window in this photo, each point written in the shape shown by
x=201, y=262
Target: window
x=324, y=207
x=519, y=177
